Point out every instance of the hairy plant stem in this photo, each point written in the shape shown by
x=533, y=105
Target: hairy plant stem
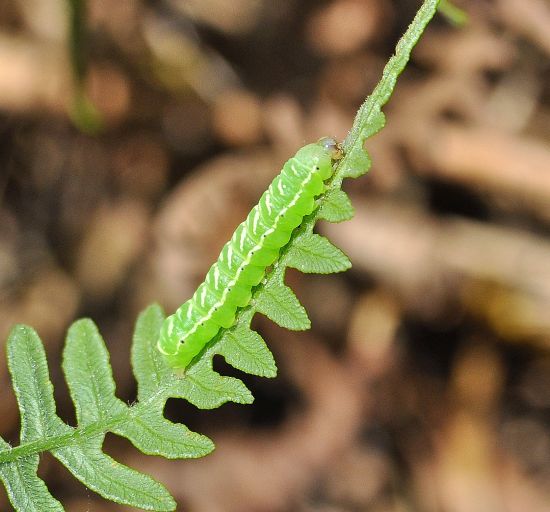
x=74, y=434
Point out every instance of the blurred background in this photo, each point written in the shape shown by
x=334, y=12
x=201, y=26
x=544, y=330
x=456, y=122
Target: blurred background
x=135, y=135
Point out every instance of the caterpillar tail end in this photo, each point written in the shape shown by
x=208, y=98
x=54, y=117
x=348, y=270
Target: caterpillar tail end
x=168, y=341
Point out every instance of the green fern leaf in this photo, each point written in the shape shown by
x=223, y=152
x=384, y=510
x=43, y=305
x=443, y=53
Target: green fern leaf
x=25, y=489
x=150, y=370
x=336, y=207
x=246, y=350
x=34, y=393
x=278, y=302
x=33, y=389
x=110, y=479
x=358, y=161
x=88, y=373
x=152, y=434
x=207, y=389
x=314, y=254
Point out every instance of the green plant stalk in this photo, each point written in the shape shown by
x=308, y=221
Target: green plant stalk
x=94, y=429
x=372, y=106
x=83, y=112
x=457, y=16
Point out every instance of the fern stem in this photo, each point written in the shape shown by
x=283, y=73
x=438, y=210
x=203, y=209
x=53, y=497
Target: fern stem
x=51, y=443
x=373, y=104
x=97, y=428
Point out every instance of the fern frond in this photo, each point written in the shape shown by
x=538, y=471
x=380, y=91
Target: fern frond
x=88, y=373
x=98, y=411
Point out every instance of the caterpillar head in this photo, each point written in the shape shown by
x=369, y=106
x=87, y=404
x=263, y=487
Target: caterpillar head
x=333, y=147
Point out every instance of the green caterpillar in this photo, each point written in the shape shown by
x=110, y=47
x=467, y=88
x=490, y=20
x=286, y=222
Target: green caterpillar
x=254, y=246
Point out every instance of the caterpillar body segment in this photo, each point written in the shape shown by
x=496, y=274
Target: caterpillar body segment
x=254, y=246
